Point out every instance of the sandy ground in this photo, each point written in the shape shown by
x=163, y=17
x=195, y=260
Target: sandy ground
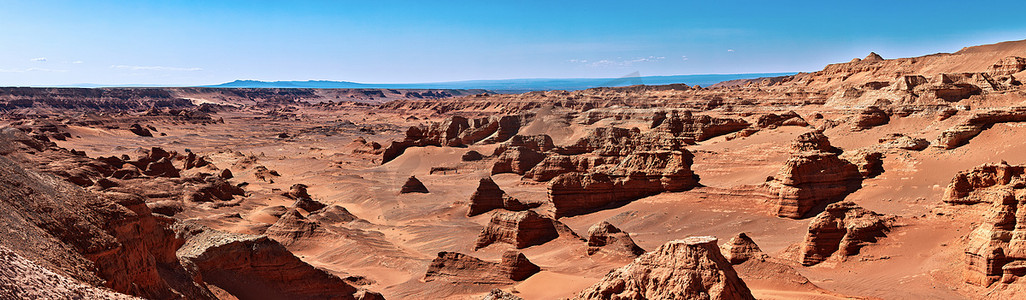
x=398, y=235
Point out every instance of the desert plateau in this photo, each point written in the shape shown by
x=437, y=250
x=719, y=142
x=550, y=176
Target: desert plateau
x=874, y=178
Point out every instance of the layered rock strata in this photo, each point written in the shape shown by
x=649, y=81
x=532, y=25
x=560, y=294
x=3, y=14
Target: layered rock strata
x=692, y=268
x=842, y=230
x=462, y=268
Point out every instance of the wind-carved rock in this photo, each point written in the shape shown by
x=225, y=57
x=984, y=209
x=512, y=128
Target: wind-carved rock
x=461, y=268
x=692, y=268
x=517, y=159
x=1008, y=66
x=640, y=174
x=257, y=267
x=842, y=230
x=813, y=176
x=489, y=196
x=521, y=229
x=606, y=238
x=960, y=134
x=457, y=131
x=870, y=117
x=556, y=164
x=697, y=128
x=996, y=249
x=413, y=185
x=742, y=248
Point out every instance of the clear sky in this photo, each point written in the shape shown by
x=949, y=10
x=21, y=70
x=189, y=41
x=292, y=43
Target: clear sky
x=207, y=42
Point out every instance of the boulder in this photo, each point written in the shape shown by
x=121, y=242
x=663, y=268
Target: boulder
x=161, y=168
x=692, y=268
x=226, y=174
x=842, y=230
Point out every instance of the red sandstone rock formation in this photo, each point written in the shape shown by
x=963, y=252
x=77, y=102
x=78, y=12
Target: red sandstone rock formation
x=537, y=143
x=842, y=230
x=140, y=131
x=212, y=188
x=870, y=117
x=556, y=164
x=20, y=278
x=521, y=229
x=870, y=163
x=517, y=159
x=1008, y=66
x=901, y=141
x=692, y=268
x=462, y=268
x=497, y=294
x=413, y=185
x=471, y=156
x=996, y=249
x=257, y=267
x=297, y=191
x=961, y=134
x=814, y=175
x=332, y=214
x=741, y=248
x=457, y=131
x=640, y=174
x=789, y=118
x=489, y=196
x=607, y=238
x=291, y=227
x=698, y=128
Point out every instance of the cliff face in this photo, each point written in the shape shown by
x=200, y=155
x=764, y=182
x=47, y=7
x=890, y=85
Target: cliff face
x=996, y=249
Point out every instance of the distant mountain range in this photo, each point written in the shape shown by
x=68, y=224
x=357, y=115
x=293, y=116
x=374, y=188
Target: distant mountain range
x=507, y=85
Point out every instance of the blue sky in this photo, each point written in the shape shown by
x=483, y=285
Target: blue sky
x=207, y=42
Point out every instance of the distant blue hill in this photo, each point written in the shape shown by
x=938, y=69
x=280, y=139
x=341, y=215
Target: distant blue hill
x=507, y=85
